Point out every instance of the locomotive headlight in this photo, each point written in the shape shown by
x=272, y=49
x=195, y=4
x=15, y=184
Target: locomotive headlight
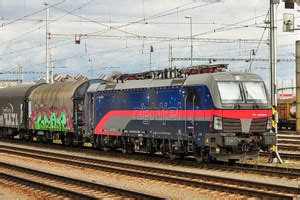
x=218, y=123
x=269, y=123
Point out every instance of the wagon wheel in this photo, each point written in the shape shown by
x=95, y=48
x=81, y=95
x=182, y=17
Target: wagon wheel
x=68, y=140
x=39, y=138
x=22, y=135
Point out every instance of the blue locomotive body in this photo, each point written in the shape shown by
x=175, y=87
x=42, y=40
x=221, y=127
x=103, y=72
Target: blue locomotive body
x=180, y=117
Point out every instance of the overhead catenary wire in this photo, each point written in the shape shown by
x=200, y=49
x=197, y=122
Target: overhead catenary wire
x=102, y=24
x=22, y=35
x=256, y=50
x=33, y=30
x=24, y=3
x=80, y=55
x=159, y=15
x=2, y=13
x=232, y=26
x=163, y=12
x=228, y=27
x=26, y=16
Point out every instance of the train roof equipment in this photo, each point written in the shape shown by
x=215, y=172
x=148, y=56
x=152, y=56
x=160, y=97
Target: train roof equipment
x=196, y=79
x=169, y=73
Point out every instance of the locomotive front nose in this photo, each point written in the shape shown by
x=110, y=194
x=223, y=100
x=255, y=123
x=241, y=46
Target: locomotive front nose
x=240, y=139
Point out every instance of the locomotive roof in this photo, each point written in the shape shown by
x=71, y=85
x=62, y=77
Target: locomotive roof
x=221, y=76
x=197, y=79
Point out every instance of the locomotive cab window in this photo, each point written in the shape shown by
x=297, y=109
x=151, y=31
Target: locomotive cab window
x=255, y=92
x=193, y=97
x=230, y=92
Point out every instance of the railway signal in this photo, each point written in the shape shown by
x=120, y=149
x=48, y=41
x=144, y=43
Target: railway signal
x=288, y=26
x=290, y=4
x=288, y=22
x=298, y=87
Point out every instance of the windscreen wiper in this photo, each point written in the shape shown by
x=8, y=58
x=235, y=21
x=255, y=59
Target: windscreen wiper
x=237, y=105
x=254, y=104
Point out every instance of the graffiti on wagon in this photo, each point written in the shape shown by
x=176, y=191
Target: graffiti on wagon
x=52, y=120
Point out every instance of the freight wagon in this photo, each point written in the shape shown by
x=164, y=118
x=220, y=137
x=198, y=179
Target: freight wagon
x=287, y=113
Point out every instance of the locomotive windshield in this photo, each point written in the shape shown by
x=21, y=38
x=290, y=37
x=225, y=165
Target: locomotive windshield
x=255, y=92
x=230, y=92
x=233, y=92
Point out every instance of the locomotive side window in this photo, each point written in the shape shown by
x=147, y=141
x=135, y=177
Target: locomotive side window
x=193, y=97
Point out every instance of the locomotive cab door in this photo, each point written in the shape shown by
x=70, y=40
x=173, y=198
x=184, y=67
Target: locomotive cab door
x=191, y=103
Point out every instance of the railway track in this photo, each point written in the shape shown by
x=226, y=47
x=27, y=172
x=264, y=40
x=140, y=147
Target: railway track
x=63, y=187
x=39, y=189
x=237, y=167
x=225, y=184
x=286, y=132
x=289, y=142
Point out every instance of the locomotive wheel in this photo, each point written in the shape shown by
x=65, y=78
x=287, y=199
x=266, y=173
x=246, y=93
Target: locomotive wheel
x=170, y=153
x=106, y=149
x=97, y=142
x=198, y=155
x=149, y=147
x=163, y=149
x=127, y=146
x=127, y=149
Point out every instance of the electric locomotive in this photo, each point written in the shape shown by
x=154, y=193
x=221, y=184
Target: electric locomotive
x=222, y=116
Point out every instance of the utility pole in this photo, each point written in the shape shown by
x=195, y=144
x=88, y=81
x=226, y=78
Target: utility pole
x=49, y=69
x=191, y=30
x=170, y=57
x=20, y=72
x=289, y=26
x=273, y=50
x=273, y=67
x=151, y=51
x=298, y=87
